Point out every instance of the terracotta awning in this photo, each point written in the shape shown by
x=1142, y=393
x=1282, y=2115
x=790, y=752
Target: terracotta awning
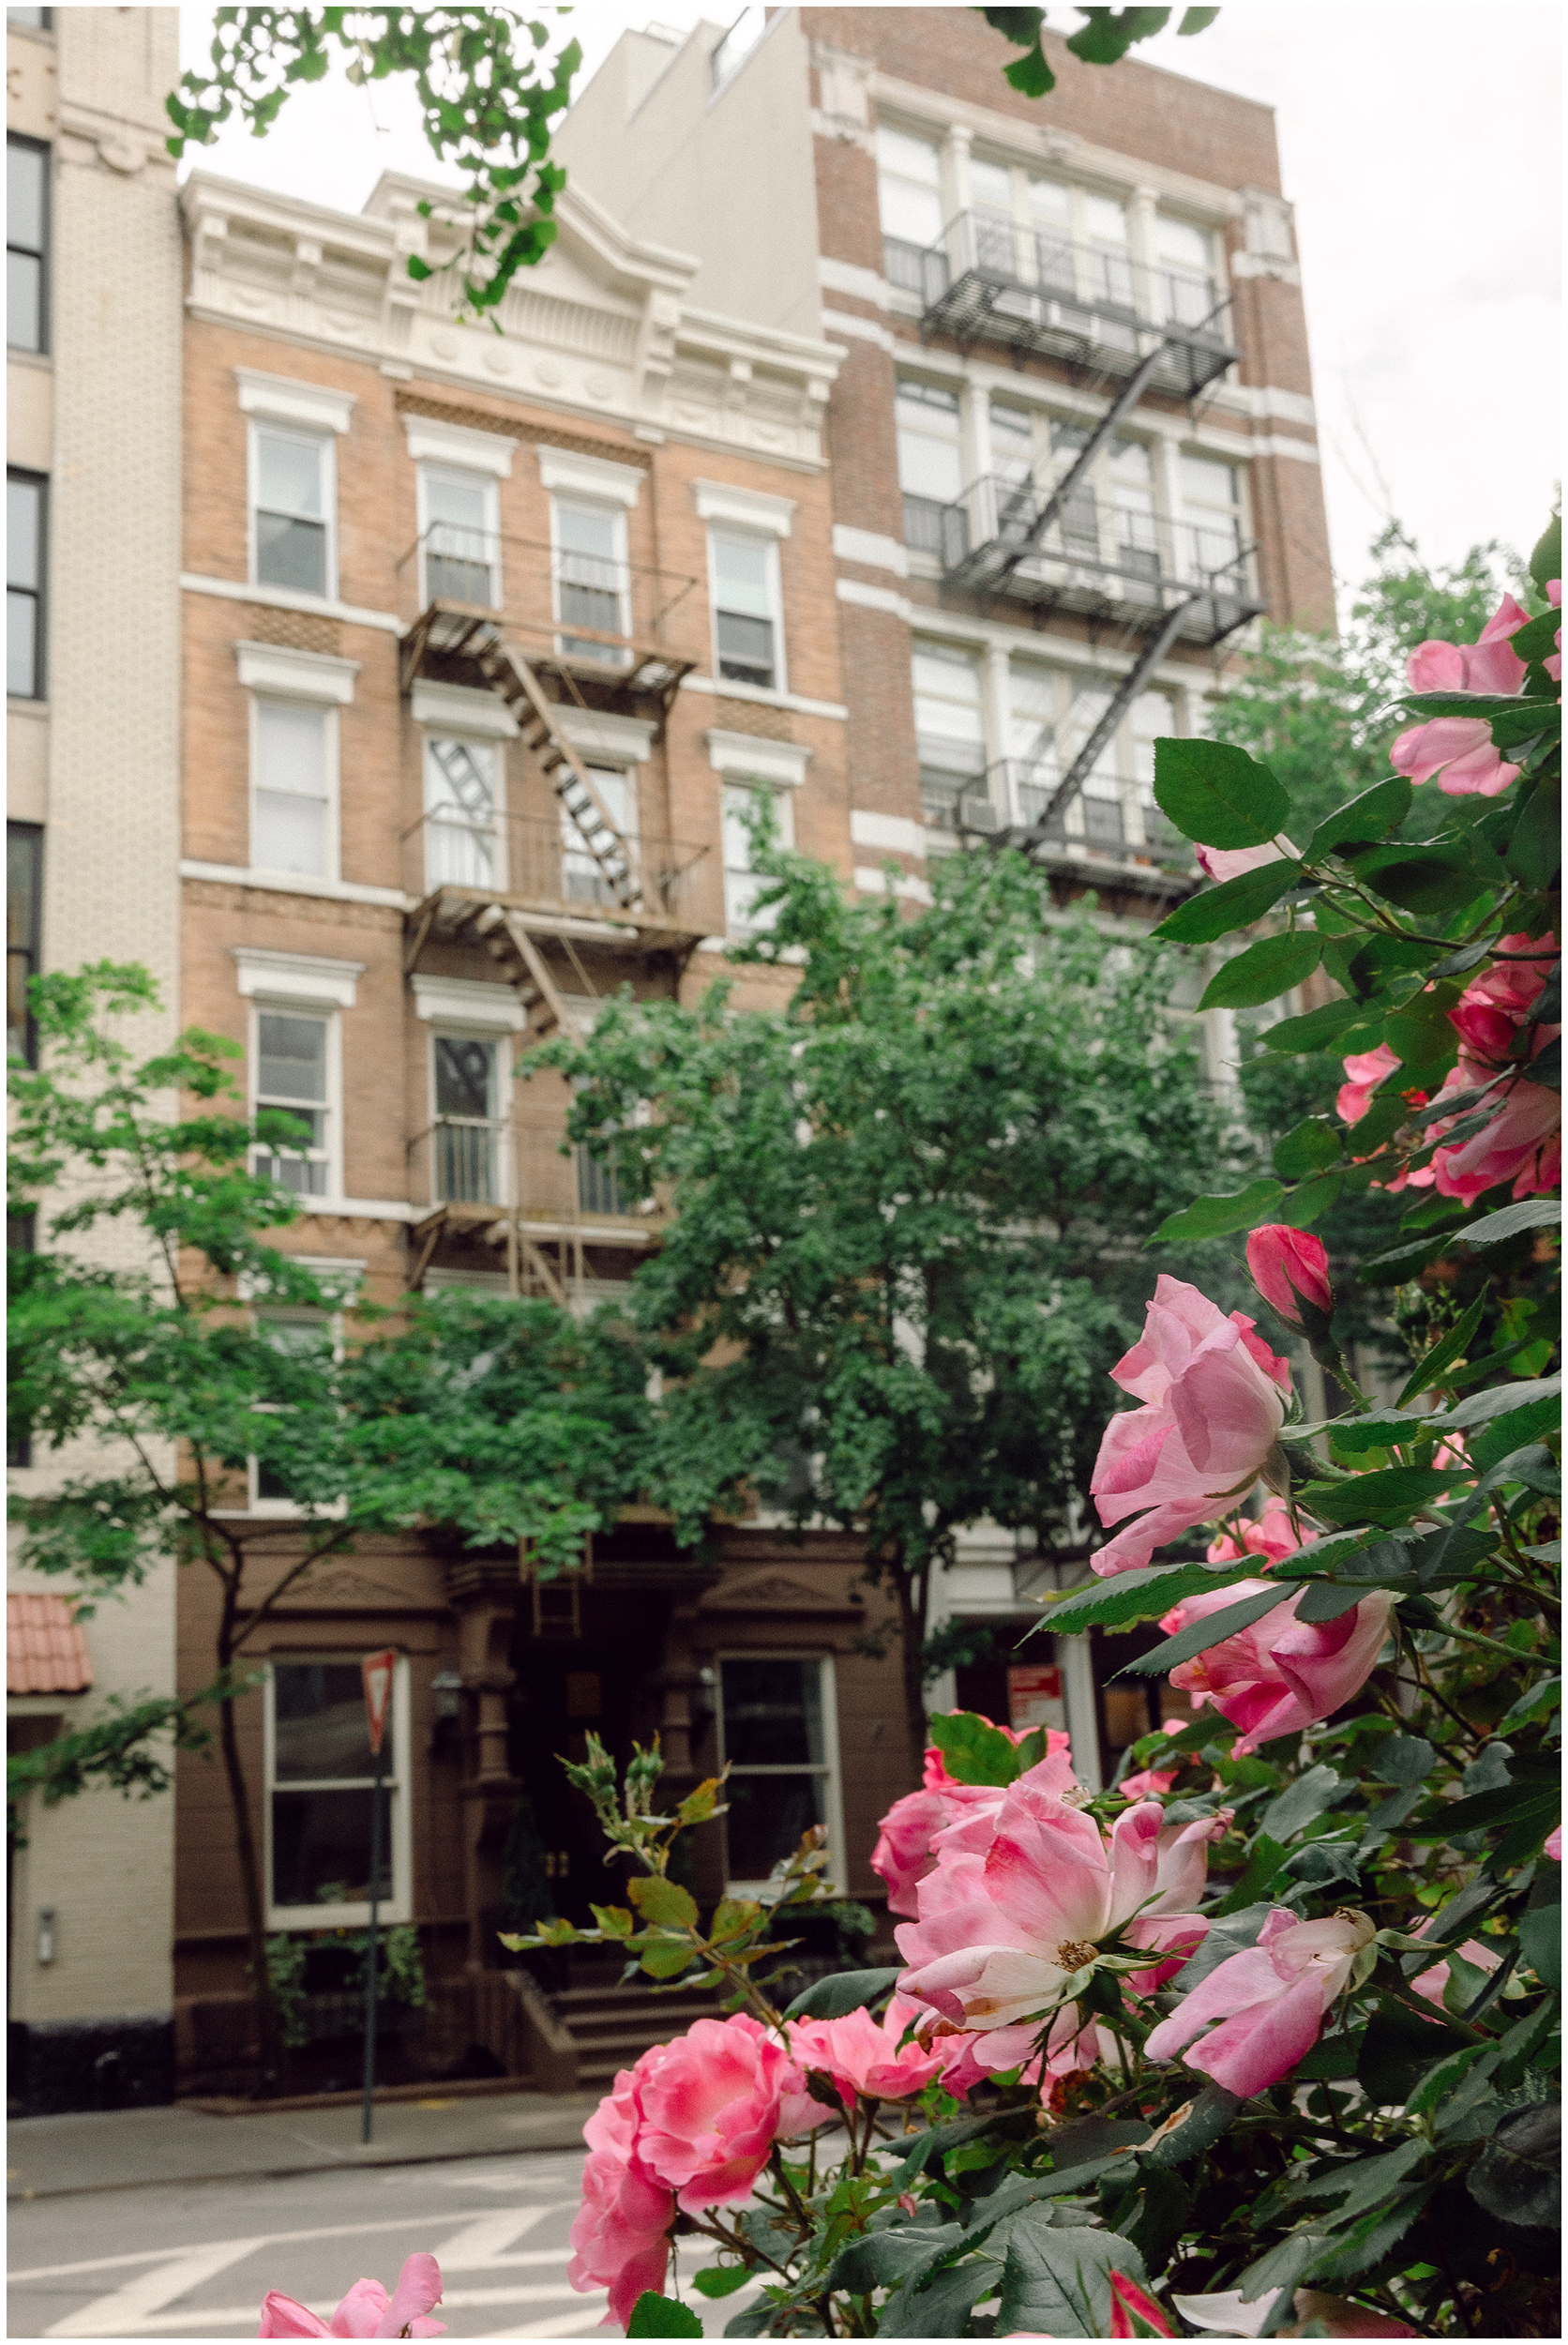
x=45, y=1651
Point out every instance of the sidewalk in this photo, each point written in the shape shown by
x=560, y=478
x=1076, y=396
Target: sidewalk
x=121, y=2149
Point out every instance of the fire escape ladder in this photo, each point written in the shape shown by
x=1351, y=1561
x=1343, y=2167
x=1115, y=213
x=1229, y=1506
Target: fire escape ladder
x=1019, y=550
x=507, y=673
x=1122, y=700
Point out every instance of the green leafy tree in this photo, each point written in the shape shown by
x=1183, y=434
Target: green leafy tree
x=220, y=1357
x=907, y=1209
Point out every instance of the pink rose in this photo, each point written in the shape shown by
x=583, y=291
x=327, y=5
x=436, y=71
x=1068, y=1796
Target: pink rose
x=1553, y=661
x=1214, y=1400
x=1488, y=665
x=1432, y=1983
x=619, y=2235
x=1129, y=2305
x=1458, y=748
x=1002, y=1932
x=1554, y=1844
x=902, y=1856
x=1365, y=1070
x=1290, y=1267
x=867, y=2061
x=367, y=2311
x=1281, y=1674
x=713, y=2106
x=1270, y=2000
x=1229, y=863
x=1521, y=1141
x=1274, y=1535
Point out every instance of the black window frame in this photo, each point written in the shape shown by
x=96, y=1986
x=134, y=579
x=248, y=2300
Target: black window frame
x=39, y=593
x=24, y=948
x=43, y=252
x=22, y=1237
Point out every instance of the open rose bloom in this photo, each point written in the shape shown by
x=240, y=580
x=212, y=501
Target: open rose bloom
x=1458, y=752
x=1521, y=1141
x=1270, y=2000
x=1214, y=1401
x=367, y=2311
x=1280, y=1674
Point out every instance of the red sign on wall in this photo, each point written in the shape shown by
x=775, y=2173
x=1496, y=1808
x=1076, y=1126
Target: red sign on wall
x=1035, y=1697
x=376, y=1670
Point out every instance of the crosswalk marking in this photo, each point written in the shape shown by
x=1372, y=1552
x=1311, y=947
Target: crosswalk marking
x=481, y=2245
x=131, y=2307
x=209, y=2317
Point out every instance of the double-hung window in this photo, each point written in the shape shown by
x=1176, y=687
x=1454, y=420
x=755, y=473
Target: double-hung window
x=460, y=815
x=294, y=500
x=1130, y=471
x=949, y=728
x=294, y=1335
x=292, y=826
x=466, y=1081
x=292, y=1063
x=1109, y=260
x=319, y=1779
x=778, y=1738
x=1103, y=828
x=1032, y=739
x=591, y=581
x=908, y=194
x=462, y=543
x=1151, y=718
x=26, y=517
x=747, y=634
x=1184, y=273
x=1211, y=533
x=26, y=245
x=582, y=879
x=23, y=909
x=1078, y=520
x=743, y=884
x=930, y=465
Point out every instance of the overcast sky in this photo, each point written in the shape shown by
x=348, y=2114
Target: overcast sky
x=1421, y=148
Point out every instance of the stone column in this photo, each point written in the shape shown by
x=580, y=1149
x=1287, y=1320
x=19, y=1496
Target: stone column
x=486, y=1616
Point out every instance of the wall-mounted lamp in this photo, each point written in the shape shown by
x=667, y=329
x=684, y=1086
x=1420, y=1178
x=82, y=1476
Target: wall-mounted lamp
x=46, y=1933
x=446, y=1685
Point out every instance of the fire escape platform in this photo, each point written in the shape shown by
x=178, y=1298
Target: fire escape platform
x=447, y=637
x=454, y=914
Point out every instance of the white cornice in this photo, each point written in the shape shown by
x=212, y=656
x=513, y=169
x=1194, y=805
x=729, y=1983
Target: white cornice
x=603, y=732
x=752, y=757
x=296, y=978
x=462, y=708
x=468, y=1001
x=457, y=444
x=301, y=676
x=751, y=509
x=280, y=398
x=589, y=475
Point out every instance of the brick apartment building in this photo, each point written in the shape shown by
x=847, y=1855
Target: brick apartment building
x=1072, y=444
x=93, y=459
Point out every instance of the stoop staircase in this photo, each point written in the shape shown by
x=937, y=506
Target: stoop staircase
x=613, y=2025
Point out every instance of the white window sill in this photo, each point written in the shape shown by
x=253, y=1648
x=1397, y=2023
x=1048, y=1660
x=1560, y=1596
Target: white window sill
x=285, y=599
x=296, y=884
x=760, y=697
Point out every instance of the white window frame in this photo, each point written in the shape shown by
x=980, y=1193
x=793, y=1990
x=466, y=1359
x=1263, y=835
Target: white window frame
x=751, y=786
x=333, y=858
x=828, y=1766
x=614, y=511
x=972, y=652
x=447, y=1028
x=349, y=1915
x=292, y=1006
x=464, y=737
x=775, y=582
x=323, y=438
x=471, y=477
x=285, y=1509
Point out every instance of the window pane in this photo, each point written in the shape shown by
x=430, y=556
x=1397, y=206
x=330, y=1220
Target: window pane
x=741, y=575
x=460, y=778
x=448, y=497
x=929, y=467
x=1205, y=482
x=320, y=1848
x=289, y=835
x=291, y=749
x=24, y=532
x=773, y=1712
x=289, y=475
x=24, y=191
x=1178, y=242
x=585, y=529
x=991, y=185
x=23, y=301
x=1049, y=203
x=319, y=1722
x=465, y=1072
x=290, y=553
x=1012, y=439
x=1106, y=221
x=292, y=1057
x=910, y=158
x=767, y=1815
x=22, y=647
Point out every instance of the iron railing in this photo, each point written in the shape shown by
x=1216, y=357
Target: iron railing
x=595, y=610
x=542, y=860
x=990, y=278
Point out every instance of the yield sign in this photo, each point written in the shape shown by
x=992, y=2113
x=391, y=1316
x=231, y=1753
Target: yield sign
x=376, y=1669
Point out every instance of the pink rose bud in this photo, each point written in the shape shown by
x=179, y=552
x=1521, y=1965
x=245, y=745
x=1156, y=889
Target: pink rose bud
x=1133, y=2313
x=1290, y=1267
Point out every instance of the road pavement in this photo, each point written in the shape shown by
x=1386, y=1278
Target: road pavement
x=193, y=2259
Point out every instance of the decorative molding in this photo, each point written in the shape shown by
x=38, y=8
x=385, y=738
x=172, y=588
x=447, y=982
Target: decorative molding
x=895, y=832
x=600, y=732
x=460, y=444
x=846, y=277
x=863, y=329
x=774, y=1591
x=343, y=1586
x=874, y=597
x=751, y=509
x=265, y=976
x=751, y=757
x=469, y=1001
x=872, y=550
x=757, y=696
x=462, y=708
x=590, y=475
x=280, y=398
x=302, y=675
x=285, y=599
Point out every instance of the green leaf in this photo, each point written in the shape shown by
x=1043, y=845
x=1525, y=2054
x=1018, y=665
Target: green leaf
x=1535, y=849
x=654, y=2315
x=1197, y=20
x=1273, y=966
x=1217, y=1216
x=720, y=2279
x=1536, y=638
x=733, y=1918
x=1218, y=795
x=663, y=1901
x=1531, y=1213
x=1545, y=560
x=938, y=2308
x=1057, y=2283
x=1133, y=1596
x=1405, y=1759
x=1205, y=1633
x=1234, y=905
x=843, y=1992
x=613, y=1920
x=1310, y=1795
x=973, y=1750
x=1313, y=1146
x=1265, y=1859
x=1518, y=2175
x=1370, y=2240
x=886, y=2259
x=1391, y=1496
x=1432, y=880
x=1431, y=1370
x=1363, y=819
x=1321, y=1029
x=664, y=1958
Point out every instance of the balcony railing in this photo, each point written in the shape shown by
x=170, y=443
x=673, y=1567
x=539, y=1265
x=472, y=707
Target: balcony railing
x=989, y=278
x=611, y=622
x=1103, y=826
x=1094, y=555
x=540, y=862
x=462, y=1160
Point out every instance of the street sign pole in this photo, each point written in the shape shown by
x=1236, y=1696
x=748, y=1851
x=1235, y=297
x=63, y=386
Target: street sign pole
x=377, y=1671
